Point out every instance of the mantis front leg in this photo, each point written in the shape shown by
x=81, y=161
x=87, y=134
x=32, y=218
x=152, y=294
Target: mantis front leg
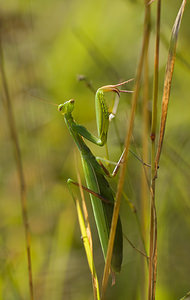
x=102, y=114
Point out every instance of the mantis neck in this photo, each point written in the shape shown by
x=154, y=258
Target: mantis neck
x=76, y=136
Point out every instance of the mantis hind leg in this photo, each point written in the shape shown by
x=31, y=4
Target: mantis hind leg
x=118, y=164
x=70, y=181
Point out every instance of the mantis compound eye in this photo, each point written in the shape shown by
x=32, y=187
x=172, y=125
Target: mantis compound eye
x=60, y=107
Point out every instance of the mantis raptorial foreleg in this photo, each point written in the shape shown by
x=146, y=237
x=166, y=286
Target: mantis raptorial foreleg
x=102, y=114
x=113, y=110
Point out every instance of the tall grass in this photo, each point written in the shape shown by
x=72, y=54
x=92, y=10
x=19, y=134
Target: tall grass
x=144, y=285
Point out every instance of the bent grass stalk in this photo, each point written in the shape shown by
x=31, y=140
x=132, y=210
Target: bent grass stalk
x=168, y=77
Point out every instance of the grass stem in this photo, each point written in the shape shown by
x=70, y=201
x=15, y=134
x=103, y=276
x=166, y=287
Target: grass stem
x=15, y=142
x=123, y=166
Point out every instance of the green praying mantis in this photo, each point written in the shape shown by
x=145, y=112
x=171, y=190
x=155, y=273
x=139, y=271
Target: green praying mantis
x=101, y=195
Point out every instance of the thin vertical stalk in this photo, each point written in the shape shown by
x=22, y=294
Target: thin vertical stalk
x=156, y=155
x=153, y=217
x=145, y=125
x=15, y=142
x=123, y=166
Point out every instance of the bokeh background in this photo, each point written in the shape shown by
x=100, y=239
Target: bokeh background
x=47, y=45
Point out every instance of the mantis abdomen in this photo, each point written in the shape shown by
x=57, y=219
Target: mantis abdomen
x=103, y=210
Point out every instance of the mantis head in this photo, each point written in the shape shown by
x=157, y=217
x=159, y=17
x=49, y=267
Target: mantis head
x=67, y=107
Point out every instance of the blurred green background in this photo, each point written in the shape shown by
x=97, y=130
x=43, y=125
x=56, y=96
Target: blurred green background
x=46, y=45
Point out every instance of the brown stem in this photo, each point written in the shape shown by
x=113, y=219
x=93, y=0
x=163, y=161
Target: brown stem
x=145, y=126
x=153, y=217
x=123, y=166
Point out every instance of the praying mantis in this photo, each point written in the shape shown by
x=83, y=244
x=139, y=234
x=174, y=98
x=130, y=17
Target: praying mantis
x=102, y=197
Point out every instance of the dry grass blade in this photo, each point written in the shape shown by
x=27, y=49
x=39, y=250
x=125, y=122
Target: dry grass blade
x=168, y=77
x=123, y=166
x=14, y=136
